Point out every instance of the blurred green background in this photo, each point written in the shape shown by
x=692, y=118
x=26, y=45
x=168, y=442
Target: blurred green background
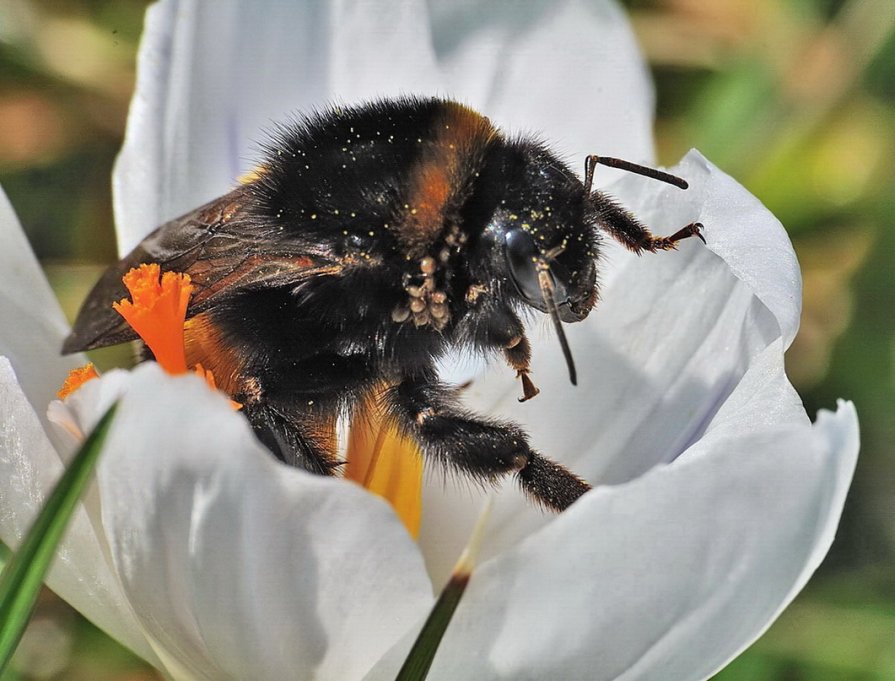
x=794, y=98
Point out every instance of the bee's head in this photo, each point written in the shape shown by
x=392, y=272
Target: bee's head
x=563, y=273
x=539, y=243
x=539, y=234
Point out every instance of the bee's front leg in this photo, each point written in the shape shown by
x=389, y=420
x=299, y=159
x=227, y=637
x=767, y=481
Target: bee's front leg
x=487, y=449
x=498, y=328
x=517, y=351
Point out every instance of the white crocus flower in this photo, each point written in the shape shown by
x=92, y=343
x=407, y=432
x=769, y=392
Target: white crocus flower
x=716, y=496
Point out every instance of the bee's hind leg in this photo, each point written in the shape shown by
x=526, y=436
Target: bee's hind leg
x=293, y=407
x=294, y=441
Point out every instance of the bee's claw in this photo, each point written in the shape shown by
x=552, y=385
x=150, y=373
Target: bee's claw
x=697, y=231
x=529, y=389
x=693, y=229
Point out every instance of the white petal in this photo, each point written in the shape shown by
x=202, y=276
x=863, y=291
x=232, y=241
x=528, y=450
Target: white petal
x=570, y=71
x=30, y=468
x=211, y=77
x=240, y=567
x=66, y=424
x=91, y=401
x=749, y=239
x=668, y=576
x=33, y=323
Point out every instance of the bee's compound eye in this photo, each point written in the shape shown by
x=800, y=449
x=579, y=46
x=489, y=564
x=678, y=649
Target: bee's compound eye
x=522, y=260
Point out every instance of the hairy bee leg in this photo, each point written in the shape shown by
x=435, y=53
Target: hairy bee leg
x=632, y=234
x=290, y=440
x=504, y=330
x=550, y=483
x=293, y=407
x=518, y=354
x=481, y=448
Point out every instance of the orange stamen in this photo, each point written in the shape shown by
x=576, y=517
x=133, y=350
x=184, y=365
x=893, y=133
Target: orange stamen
x=386, y=463
x=208, y=377
x=158, y=312
x=76, y=378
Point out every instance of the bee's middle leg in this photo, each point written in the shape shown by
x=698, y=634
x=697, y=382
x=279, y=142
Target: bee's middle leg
x=483, y=448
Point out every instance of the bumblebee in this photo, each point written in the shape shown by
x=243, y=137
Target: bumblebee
x=373, y=240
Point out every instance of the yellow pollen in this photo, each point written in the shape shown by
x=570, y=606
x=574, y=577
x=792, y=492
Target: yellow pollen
x=76, y=378
x=386, y=463
x=250, y=176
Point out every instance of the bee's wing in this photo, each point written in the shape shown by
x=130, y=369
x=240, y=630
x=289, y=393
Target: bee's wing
x=222, y=246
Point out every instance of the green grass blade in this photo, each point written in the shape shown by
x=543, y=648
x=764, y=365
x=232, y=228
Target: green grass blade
x=416, y=666
x=419, y=660
x=24, y=573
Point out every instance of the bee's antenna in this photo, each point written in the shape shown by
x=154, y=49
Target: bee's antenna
x=546, y=285
x=591, y=162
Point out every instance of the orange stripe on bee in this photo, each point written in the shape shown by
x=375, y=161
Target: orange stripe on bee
x=205, y=344
x=321, y=430
x=439, y=180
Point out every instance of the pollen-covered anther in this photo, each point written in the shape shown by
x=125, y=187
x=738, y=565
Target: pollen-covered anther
x=76, y=378
x=386, y=462
x=157, y=311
